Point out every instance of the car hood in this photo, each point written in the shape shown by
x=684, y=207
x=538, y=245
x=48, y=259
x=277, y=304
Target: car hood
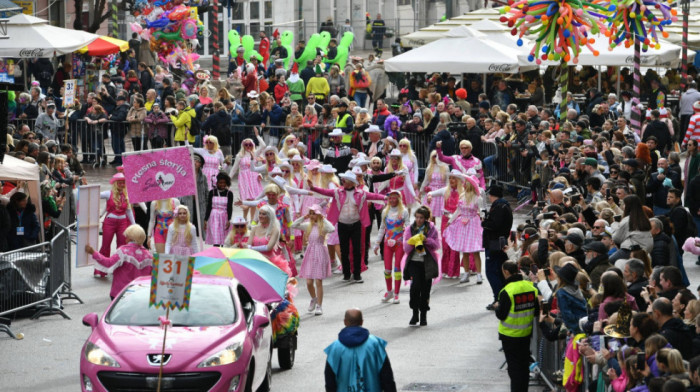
x=188, y=346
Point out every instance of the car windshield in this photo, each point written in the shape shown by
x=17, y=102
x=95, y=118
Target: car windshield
x=210, y=305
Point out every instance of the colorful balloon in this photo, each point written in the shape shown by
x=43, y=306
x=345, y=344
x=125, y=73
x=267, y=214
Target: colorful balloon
x=234, y=41
x=634, y=18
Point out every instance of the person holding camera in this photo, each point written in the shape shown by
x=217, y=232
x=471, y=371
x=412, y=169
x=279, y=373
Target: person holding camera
x=421, y=243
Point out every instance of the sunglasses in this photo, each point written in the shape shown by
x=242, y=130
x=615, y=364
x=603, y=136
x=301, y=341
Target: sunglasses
x=598, y=227
x=248, y=145
x=208, y=142
x=613, y=172
x=290, y=141
x=285, y=171
x=269, y=154
x=239, y=226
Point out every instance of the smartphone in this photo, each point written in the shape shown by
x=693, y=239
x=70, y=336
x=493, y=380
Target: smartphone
x=540, y=204
x=512, y=236
x=641, y=361
x=617, y=218
x=548, y=215
x=547, y=271
x=614, y=345
x=546, y=307
x=575, y=199
x=607, y=193
x=502, y=242
x=533, y=269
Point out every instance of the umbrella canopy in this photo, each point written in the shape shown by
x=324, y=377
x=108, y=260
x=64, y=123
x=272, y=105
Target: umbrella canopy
x=264, y=280
x=456, y=54
x=34, y=37
x=104, y=46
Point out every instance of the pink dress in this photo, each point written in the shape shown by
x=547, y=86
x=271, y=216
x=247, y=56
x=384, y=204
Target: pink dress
x=332, y=238
x=216, y=226
x=249, y=184
x=450, y=259
x=399, y=182
x=275, y=252
x=464, y=233
x=126, y=264
x=180, y=247
x=437, y=181
x=316, y=263
x=211, y=166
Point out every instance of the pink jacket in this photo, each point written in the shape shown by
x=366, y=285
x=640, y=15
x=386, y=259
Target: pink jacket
x=463, y=165
x=128, y=263
x=362, y=199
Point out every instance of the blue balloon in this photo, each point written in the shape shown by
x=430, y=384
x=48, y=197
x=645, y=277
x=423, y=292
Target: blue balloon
x=530, y=58
x=520, y=42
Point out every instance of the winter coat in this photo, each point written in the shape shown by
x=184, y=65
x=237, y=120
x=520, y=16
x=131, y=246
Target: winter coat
x=660, y=255
x=432, y=245
x=219, y=125
x=157, y=124
x=626, y=238
x=182, y=124
x=596, y=267
x=497, y=223
x=28, y=221
x=136, y=117
x=572, y=306
x=678, y=335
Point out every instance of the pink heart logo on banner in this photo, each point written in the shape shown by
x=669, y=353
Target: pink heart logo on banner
x=165, y=181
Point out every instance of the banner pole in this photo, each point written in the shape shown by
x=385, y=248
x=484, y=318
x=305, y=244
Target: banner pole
x=162, y=351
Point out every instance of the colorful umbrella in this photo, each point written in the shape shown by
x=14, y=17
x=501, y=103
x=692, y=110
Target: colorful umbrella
x=264, y=280
x=104, y=46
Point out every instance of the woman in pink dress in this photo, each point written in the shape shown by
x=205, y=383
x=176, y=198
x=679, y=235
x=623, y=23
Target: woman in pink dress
x=410, y=161
x=182, y=235
x=464, y=233
x=217, y=219
x=119, y=217
x=249, y=182
x=450, y=196
x=213, y=159
x=130, y=261
x=435, y=178
x=316, y=265
x=401, y=182
x=330, y=181
x=264, y=238
x=162, y=215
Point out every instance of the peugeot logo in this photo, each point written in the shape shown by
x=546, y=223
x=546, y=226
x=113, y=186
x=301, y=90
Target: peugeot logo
x=155, y=359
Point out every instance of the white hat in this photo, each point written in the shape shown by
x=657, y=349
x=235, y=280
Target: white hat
x=253, y=94
x=271, y=148
x=297, y=158
x=285, y=163
x=373, y=129
x=238, y=220
x=362, y=161
x=301, y=147
x=696, y=106
x=280, y=182
x=357, y=170
x=327, y=169
x=395, y=153
x=275, y=170
x=336, y=132
x=458, y=174
x=349, y=176
x=391, y=140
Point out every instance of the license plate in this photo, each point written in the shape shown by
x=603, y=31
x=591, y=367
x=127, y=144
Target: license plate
x=165, y=382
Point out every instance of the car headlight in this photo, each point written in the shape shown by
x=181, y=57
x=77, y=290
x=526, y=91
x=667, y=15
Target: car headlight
x=226, y=356
x=94, y=354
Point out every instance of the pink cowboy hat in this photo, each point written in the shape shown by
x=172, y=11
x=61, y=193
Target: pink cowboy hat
x=475, y=184
x=313, y=165
x=316, y=209
x=117, y=177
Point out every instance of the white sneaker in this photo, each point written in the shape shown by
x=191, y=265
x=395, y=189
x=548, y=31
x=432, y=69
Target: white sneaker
x=338, y=270
x=318, y=311
x=479, y=279
x=464, y=278
x=387, y=296
x=396, y=299
x=312, y=305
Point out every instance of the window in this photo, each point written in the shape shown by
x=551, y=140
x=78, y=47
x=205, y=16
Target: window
x=237, y=11
x=268, y=10
x=254, y=29
x=404, y=2
x=254, y=10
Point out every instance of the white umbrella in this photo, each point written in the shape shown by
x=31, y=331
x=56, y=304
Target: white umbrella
x=463, y=50
x=34, y=37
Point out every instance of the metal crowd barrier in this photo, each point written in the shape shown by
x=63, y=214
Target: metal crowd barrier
x=37, y=277
x=548, y=358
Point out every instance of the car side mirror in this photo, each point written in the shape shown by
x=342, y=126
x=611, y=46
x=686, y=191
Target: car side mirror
x=260, y=321
x=90, y=320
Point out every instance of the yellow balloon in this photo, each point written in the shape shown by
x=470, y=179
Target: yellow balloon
x=507, y=8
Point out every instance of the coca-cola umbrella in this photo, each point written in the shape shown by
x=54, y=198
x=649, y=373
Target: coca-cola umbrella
x=463, y=50
x=31, y=37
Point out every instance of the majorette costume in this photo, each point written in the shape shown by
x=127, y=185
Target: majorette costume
x=161, y=219
x=391, y=232
x=119, y=217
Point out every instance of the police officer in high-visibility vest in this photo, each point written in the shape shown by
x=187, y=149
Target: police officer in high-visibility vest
x=516, y=308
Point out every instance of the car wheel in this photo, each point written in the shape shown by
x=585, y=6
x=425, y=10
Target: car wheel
x=285, y=355
x=265, y=386
x=249, y=378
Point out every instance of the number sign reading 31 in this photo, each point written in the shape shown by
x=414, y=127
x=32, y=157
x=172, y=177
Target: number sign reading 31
x=171, y=281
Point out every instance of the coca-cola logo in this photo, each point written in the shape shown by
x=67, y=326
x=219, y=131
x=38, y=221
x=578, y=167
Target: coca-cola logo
x=642, y=60
x=37, y=52
x=500, y=67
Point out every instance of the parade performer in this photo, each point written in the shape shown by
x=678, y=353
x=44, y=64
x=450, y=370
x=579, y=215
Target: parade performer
x=162, y=215
x=182, y=235
x=271, y=159
x=420, y=263
x=130, y=261
x=330, y=181
x=219, y=208
x=464, y=232
x=394, y=219
x=463, y=162
x=265, y=236
x=450, y=196
x=349, y=209
x=316, y=265
x=283, y=213
x=435, y=178
x=119, y=217
x=249, y=183
x=238, y=236
x=301, y=203
x=403, y=182
x=213, y=160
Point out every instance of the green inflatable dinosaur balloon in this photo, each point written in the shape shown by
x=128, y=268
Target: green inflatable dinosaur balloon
x=343, y=50
x=287, y=40
x=325, y=39
x=309, y=51
x=234, y=41
x=248, y=43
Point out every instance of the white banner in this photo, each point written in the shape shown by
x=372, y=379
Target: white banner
x=88, y=223
x=171, y=281
x=69, y=92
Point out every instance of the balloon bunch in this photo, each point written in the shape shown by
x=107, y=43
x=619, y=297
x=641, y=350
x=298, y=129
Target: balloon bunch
x=172, y=28
x=562, y=27
x=634, y=18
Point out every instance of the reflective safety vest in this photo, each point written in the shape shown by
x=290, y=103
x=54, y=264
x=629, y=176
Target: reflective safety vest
x=343, y=121
x=523, y=297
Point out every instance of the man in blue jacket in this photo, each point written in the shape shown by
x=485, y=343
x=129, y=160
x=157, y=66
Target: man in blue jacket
x=358, y=361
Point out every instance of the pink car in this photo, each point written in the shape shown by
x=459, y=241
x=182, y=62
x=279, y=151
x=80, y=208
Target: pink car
x=223, y=343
